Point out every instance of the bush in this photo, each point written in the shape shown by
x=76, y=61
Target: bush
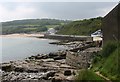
x=109, y=48
x=109, y=65
x=88, y=76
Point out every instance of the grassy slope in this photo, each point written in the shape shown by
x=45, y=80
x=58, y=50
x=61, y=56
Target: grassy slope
x=30, y=25
x=109, y=65
x=106, y=62
x=88, y=75
x=82, y=27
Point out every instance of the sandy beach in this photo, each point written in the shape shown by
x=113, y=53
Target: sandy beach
x=23, y=35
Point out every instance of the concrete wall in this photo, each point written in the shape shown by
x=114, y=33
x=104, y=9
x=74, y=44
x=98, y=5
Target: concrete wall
x=69, y=37
x=111, y=27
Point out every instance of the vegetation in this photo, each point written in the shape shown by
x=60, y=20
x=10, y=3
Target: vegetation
x=81, y=27
x=31, y=25
x=88, y=76
x=108, y=61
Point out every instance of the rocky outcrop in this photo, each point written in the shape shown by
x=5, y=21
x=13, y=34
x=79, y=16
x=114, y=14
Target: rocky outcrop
x=39, y=67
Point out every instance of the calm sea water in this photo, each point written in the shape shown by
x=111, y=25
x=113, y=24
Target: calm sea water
x=17, y=48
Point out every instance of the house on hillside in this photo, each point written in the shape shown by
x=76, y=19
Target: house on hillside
x=111, y=25
x=51, y=31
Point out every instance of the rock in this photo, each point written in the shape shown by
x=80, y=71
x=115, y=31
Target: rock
x=52, y=55
x=59, y=58
x=19, y=69
x=57, y=79
x=51, y=73
x=74, y=73
x=67, y=72
x=48, y=74
x=62, y=61
x=65, y=66
x=32, y=71
x=70, y=78
x=48, y=60
x=32, y=57
x=41, y=57
x=6, y=67
x=43, y=69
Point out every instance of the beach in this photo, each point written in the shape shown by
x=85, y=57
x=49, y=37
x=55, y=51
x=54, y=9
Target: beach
x=23, y=35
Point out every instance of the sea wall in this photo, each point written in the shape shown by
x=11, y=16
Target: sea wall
x=69, y=37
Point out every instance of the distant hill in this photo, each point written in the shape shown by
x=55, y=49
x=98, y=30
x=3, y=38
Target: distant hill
x=30, y=25
x=81, y=27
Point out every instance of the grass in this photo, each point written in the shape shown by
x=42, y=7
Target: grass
x=108, y=63
x=88, y=76
x=81, y=27
x=111, y=66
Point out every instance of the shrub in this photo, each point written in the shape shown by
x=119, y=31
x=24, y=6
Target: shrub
x=109, y=47
x=88, y=76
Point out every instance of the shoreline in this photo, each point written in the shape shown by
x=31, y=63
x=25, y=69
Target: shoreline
x=41, y=67
x=54, y=66
x=23, y=35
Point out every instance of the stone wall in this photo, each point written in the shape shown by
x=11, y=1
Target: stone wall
x=81, y=59
x=76, y=60
x=69, y=37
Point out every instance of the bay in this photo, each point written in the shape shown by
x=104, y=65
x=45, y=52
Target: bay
x=18, y=48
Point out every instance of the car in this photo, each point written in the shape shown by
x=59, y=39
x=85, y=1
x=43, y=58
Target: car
x=98, y=33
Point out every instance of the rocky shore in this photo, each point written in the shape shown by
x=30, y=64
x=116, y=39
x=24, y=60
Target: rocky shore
x=52, y=67
x=41, y=67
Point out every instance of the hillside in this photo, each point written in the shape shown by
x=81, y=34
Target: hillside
x=88, y=76
x=81, y=27
x=30, y=25
x=107, y=62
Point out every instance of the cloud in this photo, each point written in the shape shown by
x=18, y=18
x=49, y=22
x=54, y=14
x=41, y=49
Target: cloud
x=18, y=13
x=77, y=10
x=61, y=10
x=59, y=0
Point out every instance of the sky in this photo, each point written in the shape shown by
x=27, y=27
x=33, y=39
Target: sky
x=34, y=9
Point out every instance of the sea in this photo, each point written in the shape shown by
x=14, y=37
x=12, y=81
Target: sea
x=19, y=48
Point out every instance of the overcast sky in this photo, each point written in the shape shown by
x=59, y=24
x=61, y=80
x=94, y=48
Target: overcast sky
x=55, y=10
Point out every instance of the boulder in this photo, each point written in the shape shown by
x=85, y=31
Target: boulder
x=6, y=67
x=67, y=72
x=48, y=74
x=51, y=73
x=32, y=71
x=52, y=55
x=41, y=57
x=19, y=69
x=31, y=57
x=59, y=57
